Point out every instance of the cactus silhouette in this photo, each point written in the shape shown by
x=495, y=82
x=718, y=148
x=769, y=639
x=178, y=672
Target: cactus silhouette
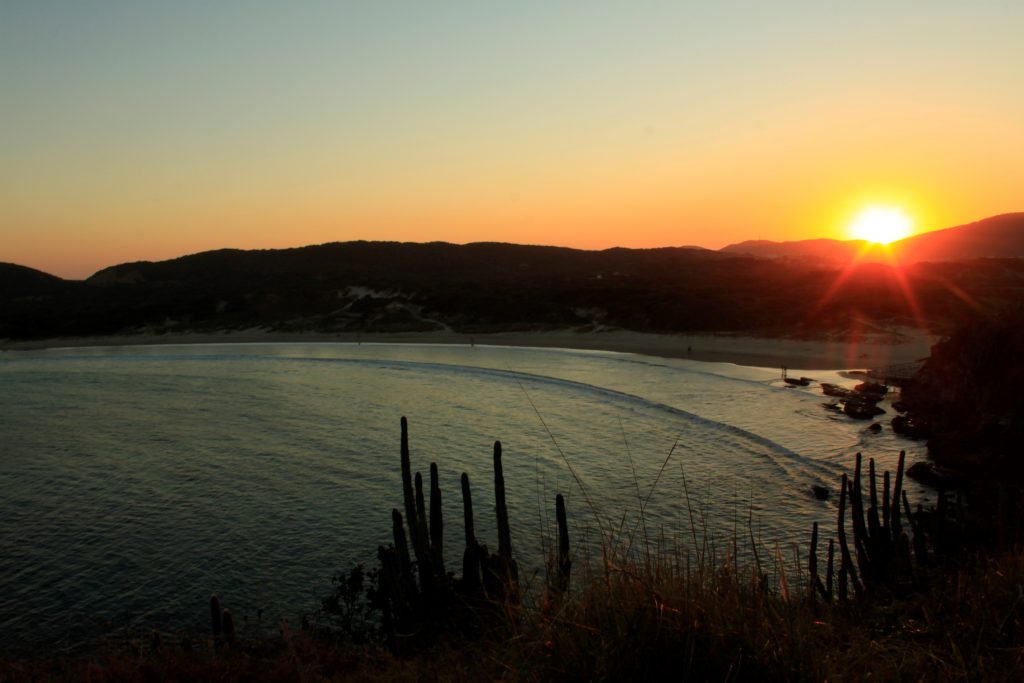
x=436, y=522
x=563, y=567
x=885, y=552
x=418, y=598
x=229, y=626
x=215, y=615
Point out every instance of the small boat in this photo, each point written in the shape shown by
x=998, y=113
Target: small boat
x=795, y=382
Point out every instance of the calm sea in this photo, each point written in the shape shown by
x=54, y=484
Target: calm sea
x=135, y=481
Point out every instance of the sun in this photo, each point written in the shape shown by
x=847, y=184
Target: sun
x=881, y=225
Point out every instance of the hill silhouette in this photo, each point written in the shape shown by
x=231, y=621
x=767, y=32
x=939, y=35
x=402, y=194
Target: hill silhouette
x=812, y=251
x=475, y=288
x=996, y=237
x=18, y=280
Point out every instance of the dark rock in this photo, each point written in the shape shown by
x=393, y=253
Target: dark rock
x=913, y=427
x=862, y=410
x=871, y=388
x=820, y=492
x=875, y=427
x=936, y=476
x=835, y=390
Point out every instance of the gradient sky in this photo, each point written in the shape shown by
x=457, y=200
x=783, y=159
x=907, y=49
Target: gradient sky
x=147, y=130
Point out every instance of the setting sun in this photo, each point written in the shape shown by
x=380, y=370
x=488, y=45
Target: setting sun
x=881, y=225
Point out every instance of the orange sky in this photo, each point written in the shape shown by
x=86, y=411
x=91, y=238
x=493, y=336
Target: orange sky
x=134, y=133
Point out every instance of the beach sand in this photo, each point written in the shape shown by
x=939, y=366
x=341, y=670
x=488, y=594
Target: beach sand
x=865, y=351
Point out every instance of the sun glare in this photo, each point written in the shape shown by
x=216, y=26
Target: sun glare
x=881, y=225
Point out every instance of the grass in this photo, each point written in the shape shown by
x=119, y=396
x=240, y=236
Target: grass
x=631, y=616
x=672, y=618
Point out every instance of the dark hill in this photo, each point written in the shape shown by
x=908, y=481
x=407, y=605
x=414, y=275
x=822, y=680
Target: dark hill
x=389, y=286
x=996, y=237
x=817, y=251
x=17, y=281
x=394, y=263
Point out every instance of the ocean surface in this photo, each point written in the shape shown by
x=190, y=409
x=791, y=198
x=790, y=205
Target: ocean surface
x=136, y=481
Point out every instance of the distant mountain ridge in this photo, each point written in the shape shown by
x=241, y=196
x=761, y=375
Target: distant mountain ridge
x=996, y=237
x=396, y=263
x=816, y=250
x=999, y=236
x=489, y=287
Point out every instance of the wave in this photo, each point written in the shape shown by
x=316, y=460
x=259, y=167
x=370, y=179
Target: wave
x=788, y=462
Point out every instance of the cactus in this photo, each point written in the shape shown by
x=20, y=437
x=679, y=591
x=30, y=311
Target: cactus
x=830, y=571
x=504, y=533
x=399, y=582
x=388, y=583
x=418, y=608
x=885, y=552
x=812, y=563
x=847, y=573
x=424, y=562
x=859, y=528
x=897, y=492
x=871, y=483
x=215, y=615
x=504, y=568
x=398, y=532
x=421, y=514
x=436, y=523
x=886, y=506
x=407, y=490
x=564, y=561
x=467, y=511
x=471, y=555
x=229, y=626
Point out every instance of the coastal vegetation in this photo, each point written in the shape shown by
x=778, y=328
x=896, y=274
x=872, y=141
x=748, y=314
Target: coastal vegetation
x=370, y=287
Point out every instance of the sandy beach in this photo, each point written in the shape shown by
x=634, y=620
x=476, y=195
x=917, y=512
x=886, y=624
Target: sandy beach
x=868, y=351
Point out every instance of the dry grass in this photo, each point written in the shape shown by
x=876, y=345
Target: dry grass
x=665, y=620
x=727, y=624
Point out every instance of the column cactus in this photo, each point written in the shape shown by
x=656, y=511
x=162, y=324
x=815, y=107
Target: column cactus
x=436, y=523
x=216, y=625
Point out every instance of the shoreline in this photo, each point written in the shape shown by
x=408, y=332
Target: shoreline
x=868, y=351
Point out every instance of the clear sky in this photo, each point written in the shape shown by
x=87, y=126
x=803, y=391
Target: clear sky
x=147, y=130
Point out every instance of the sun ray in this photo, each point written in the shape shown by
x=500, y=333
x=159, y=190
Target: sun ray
x=877, y=227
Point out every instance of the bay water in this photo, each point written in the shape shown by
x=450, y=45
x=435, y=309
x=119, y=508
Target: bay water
x=136, y=481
